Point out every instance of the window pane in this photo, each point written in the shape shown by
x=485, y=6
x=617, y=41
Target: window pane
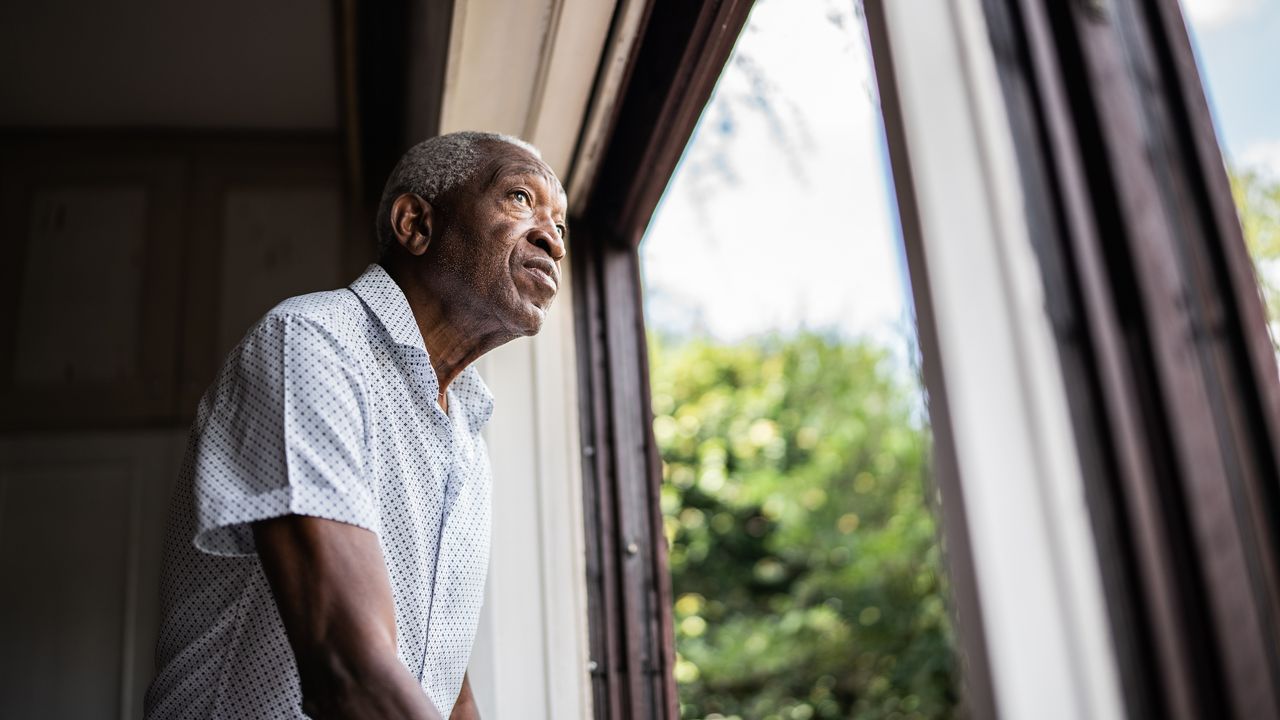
x=1235, y=43
x=806, y=568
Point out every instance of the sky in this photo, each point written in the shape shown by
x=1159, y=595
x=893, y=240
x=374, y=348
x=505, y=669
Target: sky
x=1237, y=49
x=780, y=214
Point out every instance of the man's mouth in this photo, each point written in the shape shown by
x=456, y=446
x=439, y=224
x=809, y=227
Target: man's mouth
x=544, y=271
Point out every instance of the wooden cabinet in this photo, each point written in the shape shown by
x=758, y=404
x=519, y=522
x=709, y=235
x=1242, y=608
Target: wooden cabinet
x=130, y=269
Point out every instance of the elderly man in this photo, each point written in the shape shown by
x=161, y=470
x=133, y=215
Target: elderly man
x=330, y=537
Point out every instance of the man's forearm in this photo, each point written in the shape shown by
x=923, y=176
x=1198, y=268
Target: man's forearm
x=349, y=687
x=465, y=708
x=334, y=598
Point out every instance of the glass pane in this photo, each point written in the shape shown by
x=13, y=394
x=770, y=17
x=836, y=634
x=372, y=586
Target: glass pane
x=806, y=567
x=1235, y=42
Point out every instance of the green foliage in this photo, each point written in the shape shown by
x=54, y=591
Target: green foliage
x=1258, y=200
x=804, y=558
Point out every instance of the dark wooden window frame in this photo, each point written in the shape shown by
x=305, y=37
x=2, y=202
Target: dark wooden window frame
x=1160, y=330
x=672, y=71
x=1162, y=339
x=673, y=68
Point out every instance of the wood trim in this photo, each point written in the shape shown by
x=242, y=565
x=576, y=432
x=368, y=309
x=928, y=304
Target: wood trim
x=1104, y=407
x=1260, y=380
x=381, y=75
x=347, y=63
x=616, y=63
x=632, y=637
x=680, y=53
x=430, y=23
x=605, y=620
x=1163, y=319
x=393, y=58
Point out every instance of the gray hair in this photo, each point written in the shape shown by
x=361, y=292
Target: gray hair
x=432, y=168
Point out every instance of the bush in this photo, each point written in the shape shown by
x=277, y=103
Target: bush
x=805, y=561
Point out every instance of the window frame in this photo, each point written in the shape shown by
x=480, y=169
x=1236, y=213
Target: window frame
x=1179, y=416
x=676, y=58
x=1157, y=493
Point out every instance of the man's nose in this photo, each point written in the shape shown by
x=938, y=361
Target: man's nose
x=546, y=237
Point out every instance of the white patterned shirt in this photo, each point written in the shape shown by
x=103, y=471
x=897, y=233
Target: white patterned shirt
x=328, y=408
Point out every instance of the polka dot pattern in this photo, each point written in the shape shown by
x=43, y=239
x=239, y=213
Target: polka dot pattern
x=326, y=408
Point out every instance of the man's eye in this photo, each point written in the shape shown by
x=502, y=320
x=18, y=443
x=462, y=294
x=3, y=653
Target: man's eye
x=561, y=229
x=522, y=197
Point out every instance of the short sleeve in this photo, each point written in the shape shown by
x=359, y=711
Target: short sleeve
x=282, y=432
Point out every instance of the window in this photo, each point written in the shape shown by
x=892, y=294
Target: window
x=806, y=568
x=1233, y=43
x=1103, y=395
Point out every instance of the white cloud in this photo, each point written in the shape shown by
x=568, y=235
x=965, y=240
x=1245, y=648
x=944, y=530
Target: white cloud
x=1262, y=156
x=1209, y=14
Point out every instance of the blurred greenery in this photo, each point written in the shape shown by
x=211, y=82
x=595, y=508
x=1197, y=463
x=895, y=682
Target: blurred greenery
x=804, y=556
x=1258, y=200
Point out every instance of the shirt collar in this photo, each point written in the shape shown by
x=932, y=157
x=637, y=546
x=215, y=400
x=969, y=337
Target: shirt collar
x=479, y=400
x=387, y=301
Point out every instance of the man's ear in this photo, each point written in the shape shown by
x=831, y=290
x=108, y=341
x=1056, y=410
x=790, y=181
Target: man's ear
x=411, y=222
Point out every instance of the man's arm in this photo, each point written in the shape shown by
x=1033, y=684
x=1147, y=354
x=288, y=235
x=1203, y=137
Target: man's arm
x=465, y=708
x=331, y=587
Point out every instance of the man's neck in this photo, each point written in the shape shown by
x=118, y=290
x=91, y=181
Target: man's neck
x=453, y=337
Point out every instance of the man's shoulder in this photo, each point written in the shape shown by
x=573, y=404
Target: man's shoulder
x=318, y=335
x=329, y=309
x=336, y=314
x=334, y=319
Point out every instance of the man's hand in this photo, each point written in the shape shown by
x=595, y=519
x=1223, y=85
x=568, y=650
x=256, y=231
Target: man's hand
x=331, y=587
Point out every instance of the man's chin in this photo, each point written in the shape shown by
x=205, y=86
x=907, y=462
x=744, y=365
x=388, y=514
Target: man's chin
x=531, y=320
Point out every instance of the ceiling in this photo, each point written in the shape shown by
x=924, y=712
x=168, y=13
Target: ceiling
x=236, y=64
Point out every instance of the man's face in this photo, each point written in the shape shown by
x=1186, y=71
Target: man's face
x=504, y=241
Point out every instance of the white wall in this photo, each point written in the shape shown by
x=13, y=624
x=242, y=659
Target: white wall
x=530, y=659
x=528, y=69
